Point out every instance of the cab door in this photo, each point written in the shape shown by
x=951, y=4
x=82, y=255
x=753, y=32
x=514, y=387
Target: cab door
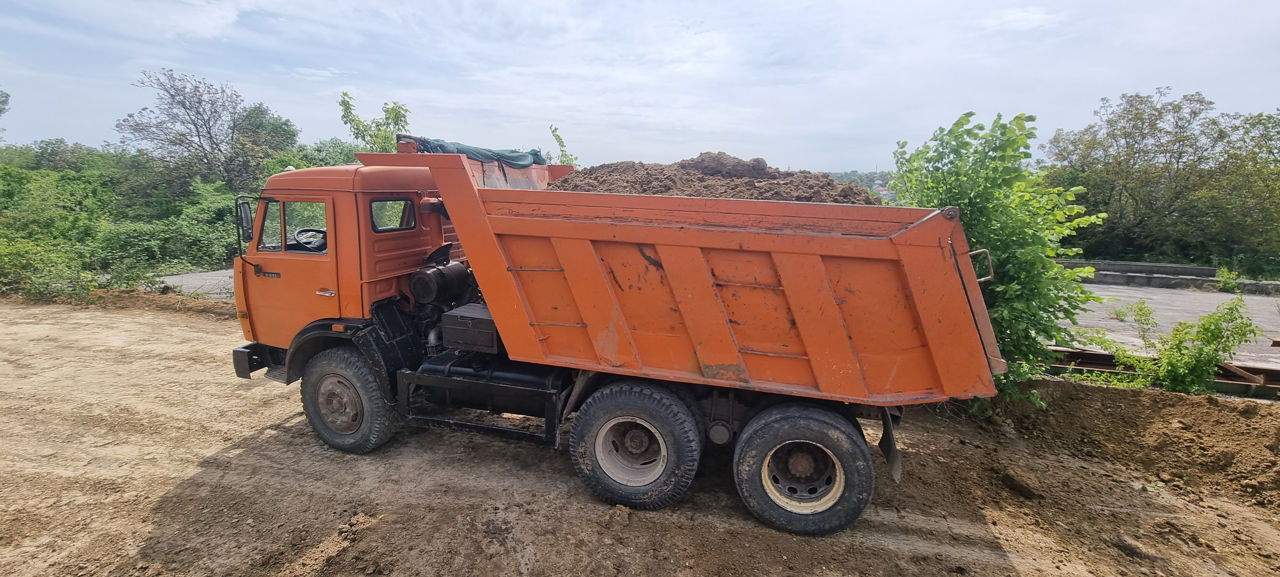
x=290, y=270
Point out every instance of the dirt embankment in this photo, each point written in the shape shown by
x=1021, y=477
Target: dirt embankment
x=132, y=449
x=714, y=175
x=1208, y=445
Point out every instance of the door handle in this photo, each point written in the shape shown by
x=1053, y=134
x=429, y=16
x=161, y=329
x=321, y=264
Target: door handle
x=325, y=293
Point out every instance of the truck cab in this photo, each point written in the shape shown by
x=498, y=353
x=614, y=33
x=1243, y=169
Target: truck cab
x=326, y=243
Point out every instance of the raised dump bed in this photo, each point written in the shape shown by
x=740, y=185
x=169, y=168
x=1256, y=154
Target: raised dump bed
x=867, y=304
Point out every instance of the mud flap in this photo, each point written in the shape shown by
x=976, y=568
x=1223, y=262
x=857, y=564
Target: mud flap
x=889, y=446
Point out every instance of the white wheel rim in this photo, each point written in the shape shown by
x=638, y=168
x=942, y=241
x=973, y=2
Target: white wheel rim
x=805, y=478
x=630, y=451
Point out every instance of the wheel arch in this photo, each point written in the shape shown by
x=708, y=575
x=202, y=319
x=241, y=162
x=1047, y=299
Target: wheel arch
x=311, y=340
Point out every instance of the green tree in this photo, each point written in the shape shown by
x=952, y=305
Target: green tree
x=1180, y=182
x=204, y=130
x=331, y=152
x=1009, y=211
x=4, y=106
x=1240, y=209
x=869, y=180
x=193, y=120
x=260, y=135
x=376, y=134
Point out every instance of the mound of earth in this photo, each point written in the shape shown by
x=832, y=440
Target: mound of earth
x=715, y=175
x=1209, y=444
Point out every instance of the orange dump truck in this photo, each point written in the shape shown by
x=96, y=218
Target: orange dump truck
x=414, y=283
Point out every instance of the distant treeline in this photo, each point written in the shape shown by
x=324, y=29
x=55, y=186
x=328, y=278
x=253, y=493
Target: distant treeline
x=1178, y=182
x=74, y=217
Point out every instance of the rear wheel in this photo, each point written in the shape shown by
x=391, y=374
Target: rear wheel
x=636, y=444
x=343, y=402
x=803, y=469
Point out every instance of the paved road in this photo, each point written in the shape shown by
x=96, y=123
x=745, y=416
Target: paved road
x=1170, y=306
x=1173, y=305
x=214, y=284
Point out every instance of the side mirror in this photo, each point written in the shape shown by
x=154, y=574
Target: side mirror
x=244, y=220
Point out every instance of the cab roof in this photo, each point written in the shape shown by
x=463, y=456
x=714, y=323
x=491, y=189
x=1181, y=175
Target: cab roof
x=351, y=178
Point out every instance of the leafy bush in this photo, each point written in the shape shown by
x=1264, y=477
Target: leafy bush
x=1186, y=359
x=1007, y=210
x=66, y=232
x=38, y=270
x=1228, y=281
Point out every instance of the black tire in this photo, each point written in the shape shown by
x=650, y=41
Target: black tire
x=343, y=402
x=636, y=444
x=803, y=469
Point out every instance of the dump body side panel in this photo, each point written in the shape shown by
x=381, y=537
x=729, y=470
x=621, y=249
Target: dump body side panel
x=863, y=304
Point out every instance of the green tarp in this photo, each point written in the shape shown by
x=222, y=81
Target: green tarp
x=510, y=157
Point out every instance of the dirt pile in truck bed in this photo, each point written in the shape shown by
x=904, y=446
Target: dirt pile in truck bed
x=714, y=175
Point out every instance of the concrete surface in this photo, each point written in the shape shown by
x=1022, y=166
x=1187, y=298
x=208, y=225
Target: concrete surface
x=216, y=284
x=1173, y=305
x=1142, y=267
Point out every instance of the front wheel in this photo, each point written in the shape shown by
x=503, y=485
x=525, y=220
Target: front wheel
x=636, y=444
x=803, y=469
x=343, y=402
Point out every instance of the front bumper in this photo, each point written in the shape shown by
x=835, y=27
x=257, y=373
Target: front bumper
x=248, y=359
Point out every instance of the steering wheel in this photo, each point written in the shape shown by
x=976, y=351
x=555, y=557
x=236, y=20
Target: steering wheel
x=316, y=243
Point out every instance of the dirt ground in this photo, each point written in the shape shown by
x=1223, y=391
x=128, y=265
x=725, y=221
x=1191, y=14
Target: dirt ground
x=131, y=449
x=716, y=175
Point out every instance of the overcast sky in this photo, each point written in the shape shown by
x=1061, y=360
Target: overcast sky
x=821, y=86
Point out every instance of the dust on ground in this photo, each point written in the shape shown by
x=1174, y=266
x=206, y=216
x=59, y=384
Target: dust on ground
x=132, y=449
x=716, y=175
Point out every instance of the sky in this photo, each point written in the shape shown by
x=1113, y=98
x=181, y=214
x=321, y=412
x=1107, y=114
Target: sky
x=827, y=86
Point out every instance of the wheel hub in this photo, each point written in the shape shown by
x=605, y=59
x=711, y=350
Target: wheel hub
x=630, y=451
x=636, y=441
x=800, y=464
x=340, y=405
x=803, y=477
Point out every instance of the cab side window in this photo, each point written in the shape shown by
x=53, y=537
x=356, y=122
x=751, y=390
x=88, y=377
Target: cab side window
x=305, y=228
x=269, y=238
x=391, y=215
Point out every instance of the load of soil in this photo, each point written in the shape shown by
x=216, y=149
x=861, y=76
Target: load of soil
x=715, y=175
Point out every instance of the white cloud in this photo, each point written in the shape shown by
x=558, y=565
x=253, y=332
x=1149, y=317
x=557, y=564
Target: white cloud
x=313, y=74
x=1021, y=19
x=815, y=85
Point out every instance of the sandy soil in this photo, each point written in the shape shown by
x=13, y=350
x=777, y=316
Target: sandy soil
x=131, y=449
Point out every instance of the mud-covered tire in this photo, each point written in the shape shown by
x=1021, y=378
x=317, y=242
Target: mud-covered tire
x=636, y=444
x=803, y=469
x=343, y=402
